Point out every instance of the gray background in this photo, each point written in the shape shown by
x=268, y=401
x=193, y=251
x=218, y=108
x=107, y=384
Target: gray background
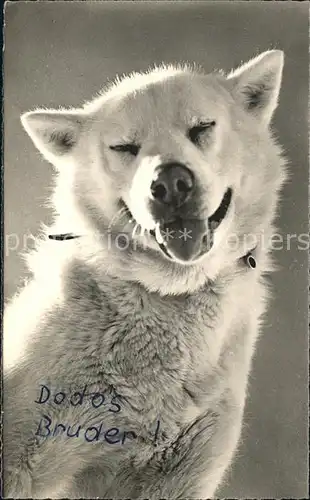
x=61, y=54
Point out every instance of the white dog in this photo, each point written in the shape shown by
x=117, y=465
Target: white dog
x=127, y=356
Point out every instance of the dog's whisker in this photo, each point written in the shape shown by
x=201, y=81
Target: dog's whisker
x=143, y=231
x=117, y=217
x=135, y=229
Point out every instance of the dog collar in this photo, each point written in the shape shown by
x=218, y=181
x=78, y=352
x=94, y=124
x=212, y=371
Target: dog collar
x=248, y=259
x=63, y=237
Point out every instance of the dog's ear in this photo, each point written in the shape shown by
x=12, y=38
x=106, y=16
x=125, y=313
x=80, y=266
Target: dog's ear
x=54, y=133
x=256, y=84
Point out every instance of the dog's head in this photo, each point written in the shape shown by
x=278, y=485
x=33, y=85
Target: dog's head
x=172, y=164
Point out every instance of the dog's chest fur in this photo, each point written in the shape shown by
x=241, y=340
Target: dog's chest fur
x=162, y=355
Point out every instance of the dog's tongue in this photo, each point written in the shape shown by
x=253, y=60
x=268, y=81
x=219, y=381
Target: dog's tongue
x=183, y=237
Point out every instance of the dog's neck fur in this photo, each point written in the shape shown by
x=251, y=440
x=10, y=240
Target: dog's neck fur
x=134, y=266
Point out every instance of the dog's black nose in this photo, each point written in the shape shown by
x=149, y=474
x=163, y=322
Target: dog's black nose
x=174, y=184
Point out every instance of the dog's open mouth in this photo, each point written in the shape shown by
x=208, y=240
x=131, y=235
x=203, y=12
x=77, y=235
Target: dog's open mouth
x=186, y=239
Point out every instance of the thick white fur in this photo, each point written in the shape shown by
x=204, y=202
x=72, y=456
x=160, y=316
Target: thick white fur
x=209, y=310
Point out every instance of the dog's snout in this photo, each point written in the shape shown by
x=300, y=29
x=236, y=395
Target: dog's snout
x=174, y=184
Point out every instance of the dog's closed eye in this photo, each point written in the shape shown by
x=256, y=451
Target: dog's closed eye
x=132, y=149
x=194, y=134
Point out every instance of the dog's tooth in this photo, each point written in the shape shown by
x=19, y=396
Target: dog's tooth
x=160, y=240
